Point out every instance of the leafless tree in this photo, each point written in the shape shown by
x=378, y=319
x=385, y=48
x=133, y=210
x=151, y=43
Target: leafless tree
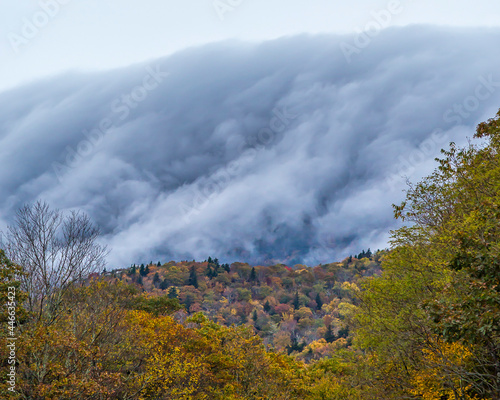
x=55, y=251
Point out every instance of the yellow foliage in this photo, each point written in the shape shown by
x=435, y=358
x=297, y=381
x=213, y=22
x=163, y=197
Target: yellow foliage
x=437, y=378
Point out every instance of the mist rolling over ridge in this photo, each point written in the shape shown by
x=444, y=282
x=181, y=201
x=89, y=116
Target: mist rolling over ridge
x=281, y=151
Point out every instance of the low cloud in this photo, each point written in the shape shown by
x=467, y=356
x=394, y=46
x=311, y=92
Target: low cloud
x=277, y=151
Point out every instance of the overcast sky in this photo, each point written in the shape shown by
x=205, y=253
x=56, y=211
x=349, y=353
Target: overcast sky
x=250, y=146
x=96, y=34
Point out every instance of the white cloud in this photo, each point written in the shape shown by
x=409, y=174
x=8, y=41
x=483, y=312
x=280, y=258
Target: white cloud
x=273, y=151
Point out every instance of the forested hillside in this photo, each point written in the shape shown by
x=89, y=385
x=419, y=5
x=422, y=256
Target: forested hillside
x=298, y=309
x=418, y=321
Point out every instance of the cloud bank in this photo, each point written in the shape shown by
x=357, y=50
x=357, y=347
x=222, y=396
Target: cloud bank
x=283, y=151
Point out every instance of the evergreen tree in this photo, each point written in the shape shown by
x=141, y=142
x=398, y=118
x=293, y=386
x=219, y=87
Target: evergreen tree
x=267, y=307
x=156, y=280
x=343, y=332
x=132, y=271
x=369, y=253
x=226, y=267
x=139, y=280
x=172, y=293
x=159, y=264
x=164, y=285
x=295, y=346
x=193, y=277
x=253, y=275
x=141, y=270
x=329, y=335
x=255, y=316
x=319, y=302
x=146, y=270
x=296, y=301
x=188, y=302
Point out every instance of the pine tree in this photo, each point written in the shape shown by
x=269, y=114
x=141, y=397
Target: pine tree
x=296, y=301
x=344, y=332
x=188, y=302
x=159, y=264
x=253, y=275
x=172, y=293
x=295, y=346
x=369, y=253
x=193, y=278
x=132, y=271
x=267, y=307
x=329, y=335
x=146, y=270
x=139, y=280
x=164, y=285
x=255, y=316
x=319, y=302
x=156, y=280
x=226, y=267
x=141, y=270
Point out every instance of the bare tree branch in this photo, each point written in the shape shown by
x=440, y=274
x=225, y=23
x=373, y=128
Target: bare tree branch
x=55, y=250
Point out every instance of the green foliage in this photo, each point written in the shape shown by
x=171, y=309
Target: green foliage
x=296, y=301
x=156, y=279
x=144, y=270
x=363, y=254
x=172, y=293
x=319, y=302
x=329, y=334
x=253, y=275
x=132, y=271
x=193, y=277
x=164, y=284
x=158, y=305
x=10, y=290
x=432, y=318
